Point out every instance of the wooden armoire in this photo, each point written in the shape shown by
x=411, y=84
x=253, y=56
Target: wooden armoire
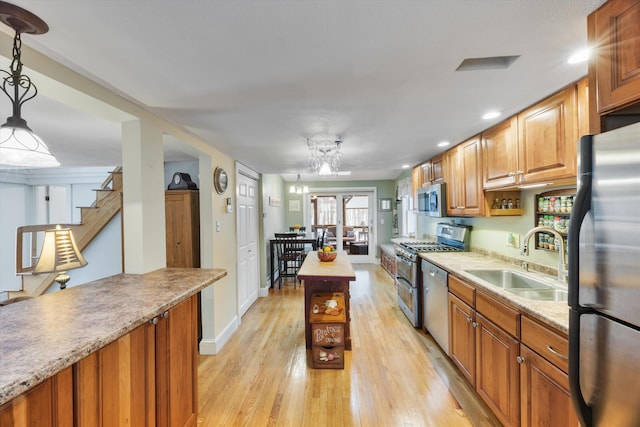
x=182, y=217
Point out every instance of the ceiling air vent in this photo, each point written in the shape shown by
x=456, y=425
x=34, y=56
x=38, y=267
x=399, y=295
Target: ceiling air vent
x=488, y=63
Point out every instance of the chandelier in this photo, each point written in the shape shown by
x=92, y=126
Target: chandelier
x=325, y=157
x=297, y=188
x=19, y=146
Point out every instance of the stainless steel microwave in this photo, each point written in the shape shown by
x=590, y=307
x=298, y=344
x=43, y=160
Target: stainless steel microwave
x=431, y=200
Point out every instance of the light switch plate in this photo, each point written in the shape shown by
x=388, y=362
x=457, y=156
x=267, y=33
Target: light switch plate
x=513, y=240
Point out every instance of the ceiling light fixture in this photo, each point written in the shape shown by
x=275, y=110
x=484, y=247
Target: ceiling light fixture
x=580, y=56
x=491, y=115
x=297, y=188
x=19, y=146
x=325, y=157
x=443, y=144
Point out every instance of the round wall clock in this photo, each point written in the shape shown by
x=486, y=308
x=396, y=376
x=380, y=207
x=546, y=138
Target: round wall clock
x=220, y=180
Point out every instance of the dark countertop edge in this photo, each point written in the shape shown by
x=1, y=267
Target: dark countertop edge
x=53, y=367
x=524, y=306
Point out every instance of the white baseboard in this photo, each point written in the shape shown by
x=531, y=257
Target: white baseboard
x=264, y=292
x=214, y=346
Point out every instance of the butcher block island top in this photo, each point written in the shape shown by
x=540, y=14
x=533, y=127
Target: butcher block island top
x=339, y=269
x=42, y=336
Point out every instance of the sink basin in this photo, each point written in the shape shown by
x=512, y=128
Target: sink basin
x=542, y=294
x=521, y=284
x=509, y=279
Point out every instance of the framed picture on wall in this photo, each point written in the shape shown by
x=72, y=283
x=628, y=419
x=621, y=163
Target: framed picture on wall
x=294, y=205
x=384, y=205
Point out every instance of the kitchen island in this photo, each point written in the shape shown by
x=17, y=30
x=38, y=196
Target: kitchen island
x=119, y=331
x=326, y=277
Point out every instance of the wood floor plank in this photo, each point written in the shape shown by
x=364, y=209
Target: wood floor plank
x=395, y=375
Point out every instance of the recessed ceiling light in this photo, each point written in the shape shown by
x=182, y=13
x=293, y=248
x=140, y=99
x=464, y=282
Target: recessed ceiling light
x=405, y=166
x=443, y=143
x=579, y=56
x=491, y=115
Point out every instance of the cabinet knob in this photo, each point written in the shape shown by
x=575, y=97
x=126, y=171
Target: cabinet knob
x=154, y=321
x=474, y=324
x=165, y=315
x=520, y=359
x=511, y=174
x=469, y=319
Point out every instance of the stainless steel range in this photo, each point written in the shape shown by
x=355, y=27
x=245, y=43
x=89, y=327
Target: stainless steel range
x=449, y=238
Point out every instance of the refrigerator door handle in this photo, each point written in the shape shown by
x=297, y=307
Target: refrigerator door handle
x=582, y=205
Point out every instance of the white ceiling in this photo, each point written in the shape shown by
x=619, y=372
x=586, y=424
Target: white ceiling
x=256, y=78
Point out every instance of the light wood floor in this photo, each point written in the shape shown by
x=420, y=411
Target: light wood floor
x=394, y=376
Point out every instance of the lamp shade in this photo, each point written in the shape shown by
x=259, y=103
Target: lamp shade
x=59, y=252
x=21, y=147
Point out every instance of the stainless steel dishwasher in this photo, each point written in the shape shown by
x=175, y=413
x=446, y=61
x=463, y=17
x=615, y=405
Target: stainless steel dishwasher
x=436, y=303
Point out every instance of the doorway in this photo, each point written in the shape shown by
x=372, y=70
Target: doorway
x=346, y=217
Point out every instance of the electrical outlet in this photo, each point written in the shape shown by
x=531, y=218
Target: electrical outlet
x=513, y=240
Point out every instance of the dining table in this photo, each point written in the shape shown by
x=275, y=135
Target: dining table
x=310, y=238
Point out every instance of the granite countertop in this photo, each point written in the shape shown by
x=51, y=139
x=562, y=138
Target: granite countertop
x=42, y=336
x=553, y=313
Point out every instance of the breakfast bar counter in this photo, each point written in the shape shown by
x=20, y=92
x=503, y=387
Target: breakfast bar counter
x=326, y=277
x=43, y=337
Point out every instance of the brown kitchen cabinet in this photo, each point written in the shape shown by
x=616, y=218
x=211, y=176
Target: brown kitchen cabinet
x=176, y=350
x=426, y=173
x=437, y=169
x=483, y=344
x=500, y=155
x=544, y=383
x=416, y=183
x=182, y=221
x=548, y=139
x=614, y=32
x=497, y=371
x=463, y=163
x=462, y=348
x=116, y=384
x=388, y=262
x=49, y=404
x=148, y=377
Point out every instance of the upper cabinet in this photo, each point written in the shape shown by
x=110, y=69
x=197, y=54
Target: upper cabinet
x=614, y=32
x=548, y=138
x=539, y=144
x=437, y=169
x=500, y=154
x=465, y=196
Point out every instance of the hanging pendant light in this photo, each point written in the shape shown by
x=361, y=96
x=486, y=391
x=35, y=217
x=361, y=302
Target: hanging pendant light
x=19, y=146
x=297, y=188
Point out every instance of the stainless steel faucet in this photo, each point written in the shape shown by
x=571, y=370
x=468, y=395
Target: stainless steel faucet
x=563, y=268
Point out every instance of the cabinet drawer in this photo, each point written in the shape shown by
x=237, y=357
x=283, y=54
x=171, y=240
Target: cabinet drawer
x=327, y=334
x=547, y=343
x=327, y=357
x=505, y=317
x=462, y=290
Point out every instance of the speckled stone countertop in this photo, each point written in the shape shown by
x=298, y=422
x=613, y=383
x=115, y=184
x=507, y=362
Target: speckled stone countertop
x=42, y=336
x=553, y=313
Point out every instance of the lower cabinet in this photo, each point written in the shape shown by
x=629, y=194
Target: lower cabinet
x=498, y=372
x=516, y=365
x=146, y=378
x=388, y=262
x=49, y=404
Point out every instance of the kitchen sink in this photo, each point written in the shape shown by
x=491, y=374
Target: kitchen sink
x=520, y=284
x=542, y=294
x=509, y=279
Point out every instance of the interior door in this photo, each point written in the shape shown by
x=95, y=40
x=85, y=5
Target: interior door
x=247, y=239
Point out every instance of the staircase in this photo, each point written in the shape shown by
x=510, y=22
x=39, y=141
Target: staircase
x=93, y=219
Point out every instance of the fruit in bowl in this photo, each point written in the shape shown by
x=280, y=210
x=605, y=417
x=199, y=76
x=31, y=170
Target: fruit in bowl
x=327, y=253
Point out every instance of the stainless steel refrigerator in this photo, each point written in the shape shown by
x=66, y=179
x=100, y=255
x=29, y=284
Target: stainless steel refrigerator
x=604, y=280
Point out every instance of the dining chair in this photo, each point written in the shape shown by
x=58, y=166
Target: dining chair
x=289, y=253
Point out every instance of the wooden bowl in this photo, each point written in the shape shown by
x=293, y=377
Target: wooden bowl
x=327, y=256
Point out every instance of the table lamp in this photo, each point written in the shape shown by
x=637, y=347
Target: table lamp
x=59, y=254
